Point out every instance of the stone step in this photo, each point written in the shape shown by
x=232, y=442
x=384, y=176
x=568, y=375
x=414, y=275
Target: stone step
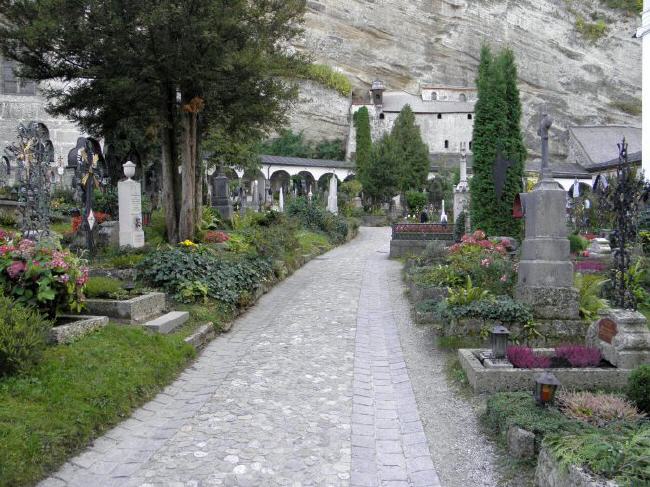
x=167, y=323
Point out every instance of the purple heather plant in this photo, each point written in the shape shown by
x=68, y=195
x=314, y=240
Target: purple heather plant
x=579, y=355
x=597, y=409
x=524, y=358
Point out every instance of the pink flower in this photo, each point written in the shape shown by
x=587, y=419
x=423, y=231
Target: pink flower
x=485, y=263
x=63, y=278
x=504, y=278
x=5, y=249
x=16, y=268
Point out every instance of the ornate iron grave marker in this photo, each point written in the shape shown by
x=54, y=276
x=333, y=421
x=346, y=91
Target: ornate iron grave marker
x=33, y=153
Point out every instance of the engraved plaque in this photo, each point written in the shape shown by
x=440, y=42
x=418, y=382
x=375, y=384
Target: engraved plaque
x=607, y=330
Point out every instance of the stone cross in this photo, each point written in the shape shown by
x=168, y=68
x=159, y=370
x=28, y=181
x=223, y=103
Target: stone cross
x=544, y=126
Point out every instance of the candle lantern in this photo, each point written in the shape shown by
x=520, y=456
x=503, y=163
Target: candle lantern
x=545, y=387
x=499, y=341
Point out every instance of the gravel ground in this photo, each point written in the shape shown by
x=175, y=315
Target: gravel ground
x=461, y=453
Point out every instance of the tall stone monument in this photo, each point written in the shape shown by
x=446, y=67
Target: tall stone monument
x=130, y=201
x=220, y=195
x=332, y=198
x=545, y=271
x=461, y=191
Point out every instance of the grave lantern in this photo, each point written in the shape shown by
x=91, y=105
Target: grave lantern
x=545, y=387
x=499, y=341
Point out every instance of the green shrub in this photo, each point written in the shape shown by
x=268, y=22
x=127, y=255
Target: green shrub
x=463, y=296
x=620, y=454
x=578, y=243
x=415, y=200
x=103, y=287
x=506, y=409
x=227, y=277
x=638, y=388
x=23, y=336
x=500, y=308
x=314, y=217
x=589, y=286
x=273, y=241
x=106, y=202
x=440, y=275
x=125, y=261
x=434, y=252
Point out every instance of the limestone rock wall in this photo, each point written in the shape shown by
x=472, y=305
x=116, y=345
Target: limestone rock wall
x=407, y=42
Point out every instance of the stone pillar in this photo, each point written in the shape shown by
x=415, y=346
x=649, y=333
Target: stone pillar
x=130, y=203
x=644, y=34
x=545, y=270
x=220, y=196
x=332, y=198
x=461, y=191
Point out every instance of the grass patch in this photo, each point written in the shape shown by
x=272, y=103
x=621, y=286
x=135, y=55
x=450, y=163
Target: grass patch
x=631, y=107
x=592, y=31
x=61, y=228
x=76, y=393
x=214, y=311
x=329, y=78
x=456, y=342
x=455, y=373
x=312, y=242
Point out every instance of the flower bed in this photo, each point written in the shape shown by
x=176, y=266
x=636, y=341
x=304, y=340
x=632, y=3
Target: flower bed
x=564, y=356
x=41, y=275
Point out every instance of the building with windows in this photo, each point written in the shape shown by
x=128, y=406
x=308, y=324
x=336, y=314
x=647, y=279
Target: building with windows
x=21, y=102
x=445, y=115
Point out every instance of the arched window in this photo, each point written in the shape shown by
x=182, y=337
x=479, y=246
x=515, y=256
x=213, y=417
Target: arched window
x=434, y=95
x=469, y=116
x=382, y=116
x=439, y=116
x=462, y=97
x=446, y=144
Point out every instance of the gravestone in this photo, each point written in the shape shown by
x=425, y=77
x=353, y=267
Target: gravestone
x=220, y=198
x=130, y=201
x=545, y=270
x=622, y=336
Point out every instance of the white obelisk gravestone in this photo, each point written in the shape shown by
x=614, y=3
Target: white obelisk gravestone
x=130, y=201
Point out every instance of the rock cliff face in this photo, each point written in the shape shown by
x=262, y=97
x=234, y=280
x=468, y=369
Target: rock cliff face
x=408, y=42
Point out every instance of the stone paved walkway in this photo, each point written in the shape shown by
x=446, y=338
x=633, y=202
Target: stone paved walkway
x=310, y=388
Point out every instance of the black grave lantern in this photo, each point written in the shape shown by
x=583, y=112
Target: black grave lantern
x=545, y=387
x=499, y=341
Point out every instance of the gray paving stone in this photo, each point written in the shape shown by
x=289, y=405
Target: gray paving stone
x=310, y=387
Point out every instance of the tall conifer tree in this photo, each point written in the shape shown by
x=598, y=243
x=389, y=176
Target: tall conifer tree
x=364, y=143
x=496, y=134
x=411, y=152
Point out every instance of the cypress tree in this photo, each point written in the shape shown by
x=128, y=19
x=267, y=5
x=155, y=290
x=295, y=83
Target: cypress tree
x=364, y=143
x=496, y=132
x=411, y=151
x=381, y=179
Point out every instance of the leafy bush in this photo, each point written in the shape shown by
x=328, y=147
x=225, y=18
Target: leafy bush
x=23, y=336
x=506, y=409
x=193, y=292
x=620, y=454
x=215, y=237
x=597, y=409
x=525, y=358
x=638, y=387
x=591, y=31
x=579, y=355
x=416, y=200
x=434, y=252
x=500, y=308
x=590, y=302
x=578, y=243
x=462, y=296
x=274, y=241
x=124, y=261
x=103, y=287
x=227, y=278
x=41, y=275
x=106, y=202
x=484, y=261
x=440, y=275
x=315, y=217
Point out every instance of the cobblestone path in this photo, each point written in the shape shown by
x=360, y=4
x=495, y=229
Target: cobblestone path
x=310, y=388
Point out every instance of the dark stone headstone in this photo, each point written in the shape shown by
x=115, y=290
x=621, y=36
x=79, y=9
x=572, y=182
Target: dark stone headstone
x=220, y=199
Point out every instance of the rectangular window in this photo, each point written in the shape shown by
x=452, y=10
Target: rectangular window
x=446, y=144
x=439, y=116
x=469, y=116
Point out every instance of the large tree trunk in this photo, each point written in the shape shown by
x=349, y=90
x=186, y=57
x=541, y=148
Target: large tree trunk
x=169, y=173
x=187, y=220
x=200, y=175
